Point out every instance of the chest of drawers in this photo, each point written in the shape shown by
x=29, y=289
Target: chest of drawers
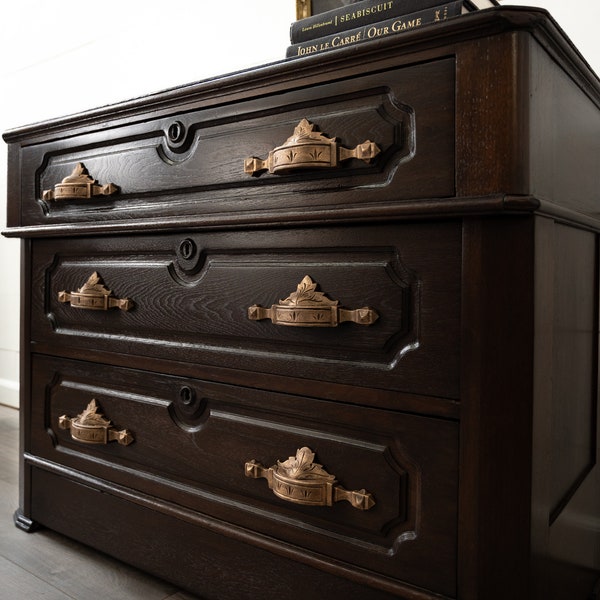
x=325, y=328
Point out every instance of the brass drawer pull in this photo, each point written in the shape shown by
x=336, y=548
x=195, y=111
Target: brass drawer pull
x=302, y=481
x=308, y=308
x=94, y=295
x=79, y=185
x=308, y=149
x=91, y=427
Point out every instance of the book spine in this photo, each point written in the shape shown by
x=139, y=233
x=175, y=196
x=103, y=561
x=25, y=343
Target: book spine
x=378, y=30
x=353, y=16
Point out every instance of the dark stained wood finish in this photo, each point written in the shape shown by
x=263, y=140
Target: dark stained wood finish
x=496, y=419
x=469, y=409
x=195, y=308
x=192, y=452
x=491, y=137
x=150, y=170
x=566, y=481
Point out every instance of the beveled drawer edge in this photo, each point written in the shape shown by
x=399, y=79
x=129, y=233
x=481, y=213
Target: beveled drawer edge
x=372, y=213
x=231, y=531
x=406, y=402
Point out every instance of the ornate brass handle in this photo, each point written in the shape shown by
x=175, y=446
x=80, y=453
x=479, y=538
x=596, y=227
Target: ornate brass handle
x=308, y=308
x=308, y=149
x=91, y=427
x=302, y=481
x=93, y=295
x=79, y=185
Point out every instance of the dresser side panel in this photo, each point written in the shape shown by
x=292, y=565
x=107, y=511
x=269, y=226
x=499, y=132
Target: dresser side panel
x=564, y=136
x=566, y=477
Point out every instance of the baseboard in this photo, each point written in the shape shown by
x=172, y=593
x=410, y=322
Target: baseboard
x=9, y=393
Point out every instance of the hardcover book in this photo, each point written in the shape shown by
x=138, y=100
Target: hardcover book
x=366, y=12
x=376, y=30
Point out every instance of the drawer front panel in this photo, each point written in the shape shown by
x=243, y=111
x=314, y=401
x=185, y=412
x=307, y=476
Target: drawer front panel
x=193, y=162
x=196, y=298
x=190, y=443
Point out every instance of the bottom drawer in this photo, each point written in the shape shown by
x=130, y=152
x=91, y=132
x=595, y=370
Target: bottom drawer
x=354, y=490
x=204, y=562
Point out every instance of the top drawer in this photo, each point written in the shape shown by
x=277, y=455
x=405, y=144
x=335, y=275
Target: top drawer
x=204, y=159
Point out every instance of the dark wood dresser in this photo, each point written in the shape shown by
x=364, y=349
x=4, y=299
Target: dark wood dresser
x=327, y=328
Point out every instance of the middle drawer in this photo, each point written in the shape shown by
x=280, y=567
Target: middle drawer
x=374, y=306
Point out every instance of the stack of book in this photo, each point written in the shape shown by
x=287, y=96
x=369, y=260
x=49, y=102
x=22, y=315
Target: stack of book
x=371, y=19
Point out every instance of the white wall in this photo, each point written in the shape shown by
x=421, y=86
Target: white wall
x=578, y=19
x=127, y=48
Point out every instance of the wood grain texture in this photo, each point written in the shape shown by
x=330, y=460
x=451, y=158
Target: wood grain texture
x=491, y=146
x=412, y=126
x=194, y=456
x=195, y=309
x=496, y=417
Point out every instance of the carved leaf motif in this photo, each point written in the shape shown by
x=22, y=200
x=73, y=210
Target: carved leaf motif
x=93, y=280
x=79, y=170
x=306, y=293
x=302, y=466
x=303, y=129
x=95, y=284
x=91, y=416
x=305, y=132
x=307, y=288
x=79, y=174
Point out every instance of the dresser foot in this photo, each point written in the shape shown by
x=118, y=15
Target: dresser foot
x=25, y=523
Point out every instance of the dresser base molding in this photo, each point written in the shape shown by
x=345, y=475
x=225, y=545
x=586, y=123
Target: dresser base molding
x=117, y=509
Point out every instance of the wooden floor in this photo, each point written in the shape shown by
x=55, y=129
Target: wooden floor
x=49, y=566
